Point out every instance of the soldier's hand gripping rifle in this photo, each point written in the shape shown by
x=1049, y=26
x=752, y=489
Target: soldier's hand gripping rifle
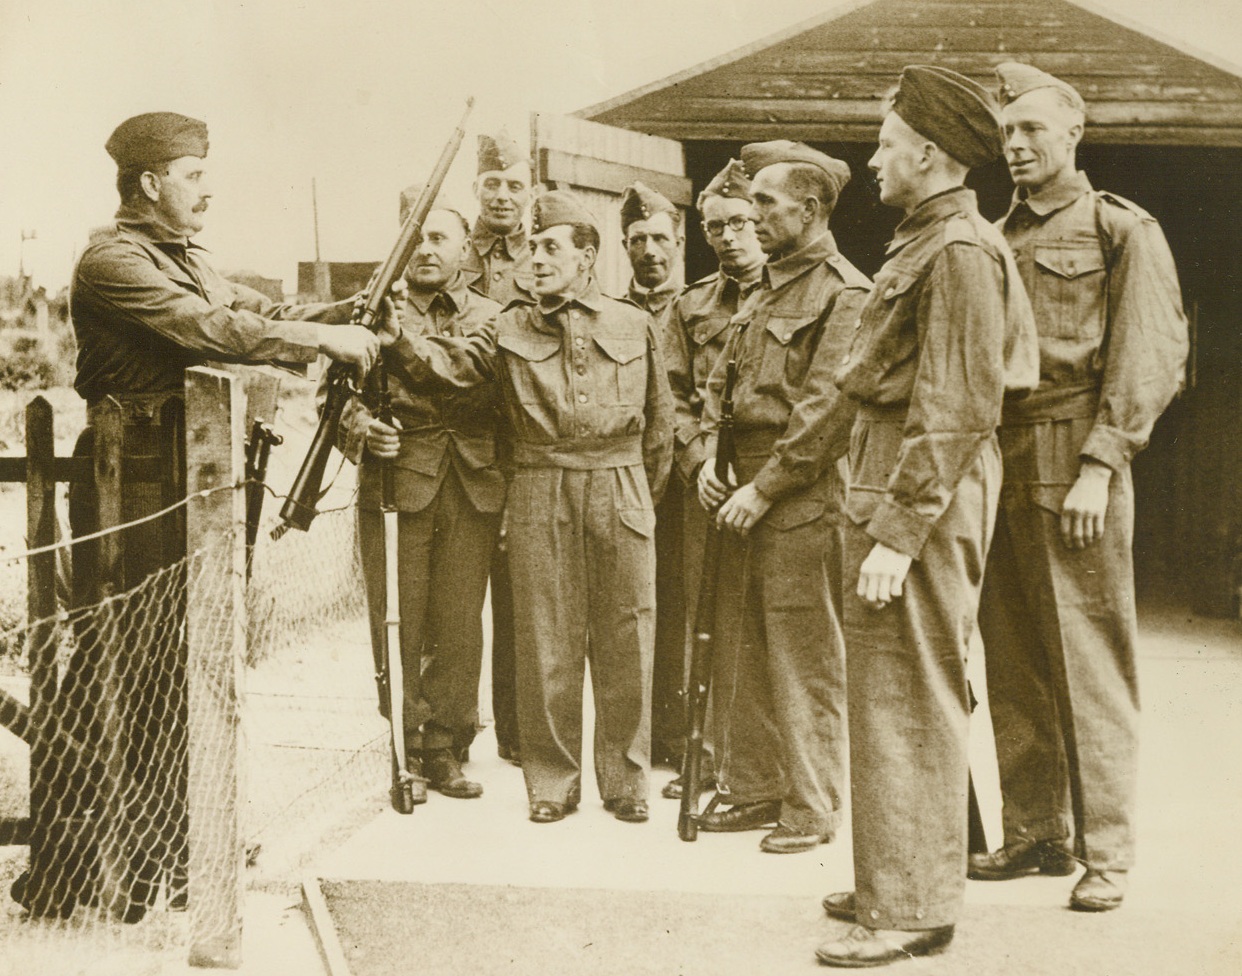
x=299, y=509
x=698, y=682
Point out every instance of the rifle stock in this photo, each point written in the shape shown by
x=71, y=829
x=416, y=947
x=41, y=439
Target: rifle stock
x=298, y=510
x=698, y=682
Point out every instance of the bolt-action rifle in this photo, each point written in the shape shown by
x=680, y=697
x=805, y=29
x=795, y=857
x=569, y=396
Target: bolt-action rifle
x=299, y=509
x=698, y=681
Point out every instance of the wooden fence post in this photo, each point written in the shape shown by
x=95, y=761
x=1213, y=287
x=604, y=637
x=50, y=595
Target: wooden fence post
x=216, y=630
x=41, y=645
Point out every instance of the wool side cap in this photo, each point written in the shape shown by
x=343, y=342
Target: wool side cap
x=957, y=114
x=156, y=137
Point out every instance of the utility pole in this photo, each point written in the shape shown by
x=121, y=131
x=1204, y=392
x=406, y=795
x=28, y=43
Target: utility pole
x=315, y=211
x=27, y=235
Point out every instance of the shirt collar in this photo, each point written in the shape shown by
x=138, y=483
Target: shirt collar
x=591, y=299
x=484, y=239
x=1051, y=197
x=131, y=220
x=932, y=210
x=453, y=294
x=780, y=272
x=659, y=296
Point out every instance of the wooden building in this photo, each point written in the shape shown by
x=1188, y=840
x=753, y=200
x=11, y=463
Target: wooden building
x=1164, y=129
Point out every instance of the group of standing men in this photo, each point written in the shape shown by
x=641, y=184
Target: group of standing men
x=950, y=441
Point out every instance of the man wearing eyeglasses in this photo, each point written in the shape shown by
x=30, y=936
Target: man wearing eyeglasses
x=653, y=239
x=694, y=337
x=779, y=675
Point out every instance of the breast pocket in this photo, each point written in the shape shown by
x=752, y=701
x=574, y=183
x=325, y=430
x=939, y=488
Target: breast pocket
x=625, y=368
x=1069, y=295
x=782, y=363
x=533, y=375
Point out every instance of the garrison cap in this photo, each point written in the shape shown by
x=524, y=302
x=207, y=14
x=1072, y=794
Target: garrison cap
x=410, y=195
x=156, y=137
x=640, y=202
x=1017, y=79
x=731, y=182
x=498, y=152
x=957, y=114
x=559, y=207
x=758, y=155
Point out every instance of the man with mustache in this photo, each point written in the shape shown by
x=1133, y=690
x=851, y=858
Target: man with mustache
x=694, y=338
x=449, y=495
x=585, y=397
x=778, y=680
x=947, y=332
x=498, y=265
x=653, y=243
x=146, y=305
x=1058, y=609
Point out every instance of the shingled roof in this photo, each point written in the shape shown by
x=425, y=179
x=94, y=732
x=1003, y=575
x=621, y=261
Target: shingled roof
x=823, y=79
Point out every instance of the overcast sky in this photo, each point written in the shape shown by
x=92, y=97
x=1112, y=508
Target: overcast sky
x=359, y=94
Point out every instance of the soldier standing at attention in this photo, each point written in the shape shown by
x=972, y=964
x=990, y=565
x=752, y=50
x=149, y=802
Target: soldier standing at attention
x=1058, y=610
x=653, y=243
x=586, y=398
x=947, y=330
x=498, y=265
x=694, y=338
x=779, y=675
x=449, y=495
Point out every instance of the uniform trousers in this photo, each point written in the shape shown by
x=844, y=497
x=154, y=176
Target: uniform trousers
x=444, y=552
x=1059, y=631
x=583, y=565
x=909, y=707
x=779, y=674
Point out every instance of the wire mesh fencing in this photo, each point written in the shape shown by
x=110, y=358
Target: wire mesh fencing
x=97, y=766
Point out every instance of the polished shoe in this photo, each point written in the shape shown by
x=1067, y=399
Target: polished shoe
x=672, y=789
x=742, y=816
x=862, y=948
x=549, y=811
x=444, y=775
x=1099, y=891
x=786, y=839
x=840, y=904
x=1019, y=859
x=630, y=811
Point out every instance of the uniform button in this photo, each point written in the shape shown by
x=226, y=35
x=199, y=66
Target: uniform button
x=845, y=360
x=582, y=398
x=858, y=325
x=581, y=370
x=875, y=913
x=890, y=293
x=920, y=913
x=574, y=314
x=497, y=275
x=578, y=340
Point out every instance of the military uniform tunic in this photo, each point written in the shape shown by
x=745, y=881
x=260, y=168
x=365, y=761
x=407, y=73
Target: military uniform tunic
x=500, y=268
x=586, y=399
x=1058, y=623
x=779, y=670
x=449, y=492
x=947, y=330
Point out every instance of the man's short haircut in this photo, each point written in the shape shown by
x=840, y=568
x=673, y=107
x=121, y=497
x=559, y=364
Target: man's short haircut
x=804, y=180
x=584, y=236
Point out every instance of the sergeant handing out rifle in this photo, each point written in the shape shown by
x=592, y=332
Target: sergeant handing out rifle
x=778, y=683
x=146, y=305
x=1058, y=608
x=586, y=398
x=947, y=331
x=449, y=493
x=694, y=338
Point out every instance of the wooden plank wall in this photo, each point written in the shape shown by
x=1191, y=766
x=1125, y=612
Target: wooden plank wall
x=827, y=83
x=632, y=154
